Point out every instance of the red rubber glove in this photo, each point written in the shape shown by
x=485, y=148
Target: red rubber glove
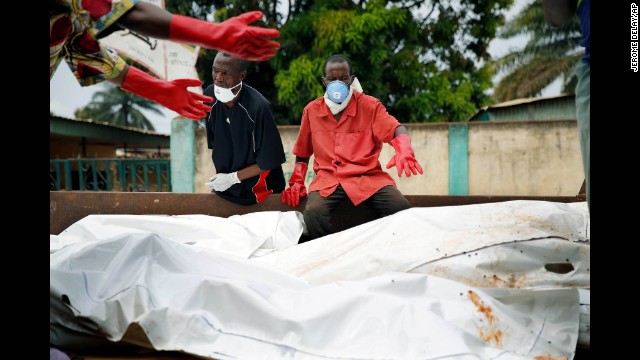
x=404, y=159
x=296, y=190
x=233, y=36
x=171, y=94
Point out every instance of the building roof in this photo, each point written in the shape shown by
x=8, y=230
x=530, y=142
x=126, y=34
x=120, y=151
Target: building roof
x=101, y=133
x=559, y=107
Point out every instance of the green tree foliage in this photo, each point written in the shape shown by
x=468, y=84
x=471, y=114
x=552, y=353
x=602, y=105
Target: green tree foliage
x=551, y=52
x=420, y=58
x=119, y=107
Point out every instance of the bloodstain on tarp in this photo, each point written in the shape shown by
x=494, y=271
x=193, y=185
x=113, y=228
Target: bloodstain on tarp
x=513, y=281
x=549, y=357
x=488, y=333
x=486, y=310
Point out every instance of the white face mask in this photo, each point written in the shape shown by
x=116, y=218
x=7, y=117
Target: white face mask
x=225, y=95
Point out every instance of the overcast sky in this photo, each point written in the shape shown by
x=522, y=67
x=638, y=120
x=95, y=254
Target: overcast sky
x=66, y=95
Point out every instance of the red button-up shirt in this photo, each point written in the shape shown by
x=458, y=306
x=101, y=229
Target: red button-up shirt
x=346, y=152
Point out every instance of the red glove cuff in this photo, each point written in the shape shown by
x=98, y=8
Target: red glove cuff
x=193, y=31
x=134, y=78
x=402, y=142
x=299, y=173
x=171, y=94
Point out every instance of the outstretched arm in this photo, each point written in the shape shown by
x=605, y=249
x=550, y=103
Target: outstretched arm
x=147, y=19
x=558, y=12
x=233, y=36
x=171, y=94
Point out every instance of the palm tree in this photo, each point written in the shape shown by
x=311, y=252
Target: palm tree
x=119, y=107
x=549, y=54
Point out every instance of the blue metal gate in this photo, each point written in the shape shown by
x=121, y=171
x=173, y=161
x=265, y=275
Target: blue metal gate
x=110, y=175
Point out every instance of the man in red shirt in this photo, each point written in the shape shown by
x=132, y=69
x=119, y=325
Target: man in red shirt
x=345, y=130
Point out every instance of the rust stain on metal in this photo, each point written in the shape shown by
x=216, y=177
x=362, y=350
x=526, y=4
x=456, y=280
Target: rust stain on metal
x=489, y=333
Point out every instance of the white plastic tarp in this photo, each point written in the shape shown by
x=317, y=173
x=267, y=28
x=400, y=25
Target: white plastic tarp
x=235, y=235
x=414, y=239
x=204, y=301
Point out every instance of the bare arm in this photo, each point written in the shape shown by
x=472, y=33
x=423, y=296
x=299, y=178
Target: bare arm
x=558, y=12
x=147, y=19
x=249, y=171
x=400, y=130
x=118, y=80
x=302, y=160
x=234, y=36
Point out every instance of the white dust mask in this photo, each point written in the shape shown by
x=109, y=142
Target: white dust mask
x=225, y=94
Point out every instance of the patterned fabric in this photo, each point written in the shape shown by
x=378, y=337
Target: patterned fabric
x=73, y=29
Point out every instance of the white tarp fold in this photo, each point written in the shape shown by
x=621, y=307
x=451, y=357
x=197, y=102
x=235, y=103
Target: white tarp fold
x=236, y=235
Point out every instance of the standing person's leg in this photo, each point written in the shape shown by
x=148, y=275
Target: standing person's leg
x=388, y=200
x=318, y=210
x=583, y=102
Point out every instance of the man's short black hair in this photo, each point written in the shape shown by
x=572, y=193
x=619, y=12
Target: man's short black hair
x=244, y=64
x=336, y=58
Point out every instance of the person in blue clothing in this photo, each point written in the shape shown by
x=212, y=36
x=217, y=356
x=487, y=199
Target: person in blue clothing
x=560, y=12
x=247, y=149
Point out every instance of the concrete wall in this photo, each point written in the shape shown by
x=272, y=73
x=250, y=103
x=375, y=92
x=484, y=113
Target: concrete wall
x=504, y=158
x=524, y=158
x=204, y=165
x=183, y=155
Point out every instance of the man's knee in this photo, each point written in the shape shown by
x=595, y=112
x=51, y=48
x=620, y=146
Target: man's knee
x=399, y=205
x=397, y=201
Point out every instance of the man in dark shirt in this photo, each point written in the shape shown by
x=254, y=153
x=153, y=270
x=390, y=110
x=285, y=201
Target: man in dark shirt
x=247, y=149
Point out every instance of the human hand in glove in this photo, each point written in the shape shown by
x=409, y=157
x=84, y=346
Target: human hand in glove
x=296, y=190
x=171, y=94
x=233, y=36
x=221, y=182
x=404, y=159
